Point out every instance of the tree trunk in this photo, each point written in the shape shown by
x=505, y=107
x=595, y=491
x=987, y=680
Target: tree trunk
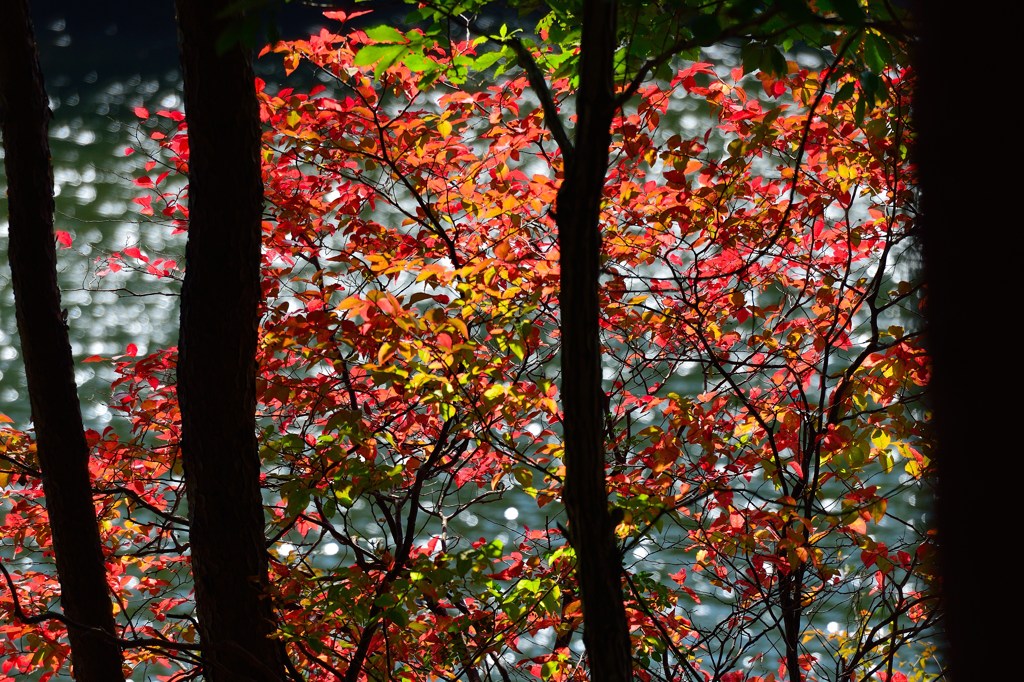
x=217, y=349
x=973, y=390
x=578, y=210
x=60, y=439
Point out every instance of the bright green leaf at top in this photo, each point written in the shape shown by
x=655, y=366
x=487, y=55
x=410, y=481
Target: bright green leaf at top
x=386, y=34
x=487, y=60
x=417, y=63
x=381, y=55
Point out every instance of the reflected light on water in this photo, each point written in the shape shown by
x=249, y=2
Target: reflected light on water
x=93, y=192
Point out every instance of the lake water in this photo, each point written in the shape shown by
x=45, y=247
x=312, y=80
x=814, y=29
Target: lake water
x=97, y=68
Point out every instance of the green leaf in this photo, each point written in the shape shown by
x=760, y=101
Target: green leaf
x=844, y=93
x=750, y=54
x=381, y=55
x=398, y=616
x=518, y=349
x=774, y=62
x=343, y=496
x=551, y=602
x=859, y=110
x=417, y=63
x=877, y=53
x=386, y=34
x=487, y=60
x=870, y=85
x=297, y=502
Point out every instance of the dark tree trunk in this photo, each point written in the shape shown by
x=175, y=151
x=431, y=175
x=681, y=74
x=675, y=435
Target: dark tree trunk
x=599, y=566
x=60, y=438
x=974, y=387
x=217, y=349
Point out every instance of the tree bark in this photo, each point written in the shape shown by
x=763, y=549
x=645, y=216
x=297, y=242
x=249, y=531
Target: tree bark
x=217, y=350
x=578, y=212
x=973, y=390
x=56, y=414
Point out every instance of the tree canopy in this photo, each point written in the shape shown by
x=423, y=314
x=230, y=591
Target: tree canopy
x=665, y=263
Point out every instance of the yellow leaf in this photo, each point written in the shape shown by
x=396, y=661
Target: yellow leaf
x=494, y=392
x=880, y=439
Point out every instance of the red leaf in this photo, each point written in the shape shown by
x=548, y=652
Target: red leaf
x=145, y=203
x=64, y=238
x=132, y=350
x=141, y=112
x=342, y=16
x=675, y=177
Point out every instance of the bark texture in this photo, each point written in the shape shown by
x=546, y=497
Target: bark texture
x=578, y=216
x=217, y=350
x=56, y=415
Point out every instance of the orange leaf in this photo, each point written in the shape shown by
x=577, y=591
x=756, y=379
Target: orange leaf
x=858, y=526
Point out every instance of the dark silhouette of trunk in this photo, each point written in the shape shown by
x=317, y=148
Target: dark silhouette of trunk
x=217, y=349
x=578, y=208
x=973, y=388
x=56, y=414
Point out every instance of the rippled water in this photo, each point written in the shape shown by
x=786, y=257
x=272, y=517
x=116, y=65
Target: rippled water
x=92, y=124
x=97, y=67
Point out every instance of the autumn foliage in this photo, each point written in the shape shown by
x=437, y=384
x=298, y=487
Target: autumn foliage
x=763, y=365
